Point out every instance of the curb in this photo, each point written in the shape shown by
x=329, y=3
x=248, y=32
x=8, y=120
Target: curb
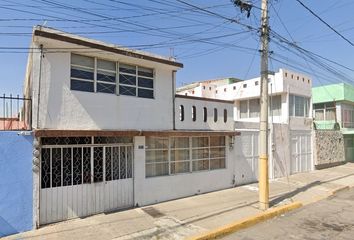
x=335, y=191
x=247, y=222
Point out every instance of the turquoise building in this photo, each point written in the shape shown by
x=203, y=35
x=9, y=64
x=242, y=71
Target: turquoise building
x=333, y=108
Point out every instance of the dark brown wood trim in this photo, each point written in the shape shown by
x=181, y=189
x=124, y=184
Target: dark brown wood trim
x=204, y=99
x=129, y=133
x=186, y=133
x=84, y=133
x=68, y=39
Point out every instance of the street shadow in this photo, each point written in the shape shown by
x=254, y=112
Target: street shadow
x=291, y=194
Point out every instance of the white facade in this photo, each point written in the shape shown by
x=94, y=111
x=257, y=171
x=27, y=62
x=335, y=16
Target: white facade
x=103, y=149
x=203, y=114
x=290, y=119
x=63, y=108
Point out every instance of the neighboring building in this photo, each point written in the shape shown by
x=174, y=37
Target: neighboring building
x=333, y=107
x=290, y=120
x=111, y=133
x=207, y=88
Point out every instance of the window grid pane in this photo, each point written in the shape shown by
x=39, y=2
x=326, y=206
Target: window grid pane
x=132, y=80
x=175, y=155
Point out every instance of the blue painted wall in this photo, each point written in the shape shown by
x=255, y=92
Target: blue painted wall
x=15, y=183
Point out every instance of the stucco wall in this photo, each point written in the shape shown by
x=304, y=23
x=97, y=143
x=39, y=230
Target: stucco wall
x=63, y=108
x=328, y=148
x=280, y=152
x=199, y=123
x=163, y=188
x=15, y=183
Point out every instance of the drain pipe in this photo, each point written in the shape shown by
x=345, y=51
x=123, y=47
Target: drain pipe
x=174, y=99
x=39, y=83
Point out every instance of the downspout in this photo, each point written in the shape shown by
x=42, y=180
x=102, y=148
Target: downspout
x=174, y=99
x=39, y=83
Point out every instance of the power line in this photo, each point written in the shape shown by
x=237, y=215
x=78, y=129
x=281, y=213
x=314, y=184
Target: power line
x=323, y=21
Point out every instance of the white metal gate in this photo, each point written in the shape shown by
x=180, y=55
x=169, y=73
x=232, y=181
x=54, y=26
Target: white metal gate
x=82, y=179
x=301, y=152
x=246, y=164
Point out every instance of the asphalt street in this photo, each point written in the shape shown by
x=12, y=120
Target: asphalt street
x=332, y=218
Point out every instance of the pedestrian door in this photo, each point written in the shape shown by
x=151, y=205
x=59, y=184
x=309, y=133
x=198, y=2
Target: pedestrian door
x=246, y=164
x=78, y=180
x=301, y=152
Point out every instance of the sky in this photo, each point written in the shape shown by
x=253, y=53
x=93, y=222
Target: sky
x=213, y=39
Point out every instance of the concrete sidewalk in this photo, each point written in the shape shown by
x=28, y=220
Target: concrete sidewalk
x=187, y=217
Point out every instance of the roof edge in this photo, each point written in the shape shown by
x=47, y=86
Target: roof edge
x=69, y=39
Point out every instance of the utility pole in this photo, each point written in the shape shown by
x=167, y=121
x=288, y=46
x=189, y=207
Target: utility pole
x=263, y=179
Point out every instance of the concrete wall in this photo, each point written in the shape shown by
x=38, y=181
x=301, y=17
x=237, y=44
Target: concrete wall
x=328, y=148
x=280, y=152
x=163, y=188
x=15, y=183
x=62, y=108
x=199, y=124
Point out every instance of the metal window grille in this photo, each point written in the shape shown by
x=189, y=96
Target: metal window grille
x=67, y=161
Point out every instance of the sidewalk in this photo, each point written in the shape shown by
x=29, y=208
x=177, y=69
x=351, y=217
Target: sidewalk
x=187, y=217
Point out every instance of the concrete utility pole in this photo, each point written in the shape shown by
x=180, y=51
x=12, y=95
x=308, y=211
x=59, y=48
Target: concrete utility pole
x=263, y=180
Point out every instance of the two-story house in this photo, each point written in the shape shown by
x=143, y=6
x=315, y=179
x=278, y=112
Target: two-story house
x=290, y=118
x=110, y=132
x=333, y=108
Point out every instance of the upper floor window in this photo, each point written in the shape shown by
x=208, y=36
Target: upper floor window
x=82, y=73
x=324, y=111
x=275, y=105
x=215, y=114
x=205, y=114
x=254, y=108
x=106, y=76
x=194, y=113
x=181, y=113
x=225, y=115
x=251, y=108
x=126, y=79
x=244, y=109
x=298, y=106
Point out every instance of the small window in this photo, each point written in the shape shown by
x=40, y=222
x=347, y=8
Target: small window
x=308, y=81
x=234, y=87
x=286, y=74
x=297, y=78
x=216, y=91
x=244, y=85
x=203, y=87
x=215, y=115
x=209, y=88
x=224, y=89
x=192, y=92
x=186, y=94
x=256, y=83
x=205, y=114
x=303, y=79
x=194, y=113
x=181, y=113
x=225, y=115
x=292, y=76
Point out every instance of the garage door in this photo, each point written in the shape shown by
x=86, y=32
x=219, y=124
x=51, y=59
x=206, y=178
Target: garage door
x=84, y=176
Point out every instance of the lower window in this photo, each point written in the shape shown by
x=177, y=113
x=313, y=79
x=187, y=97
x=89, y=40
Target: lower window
x=174, y=155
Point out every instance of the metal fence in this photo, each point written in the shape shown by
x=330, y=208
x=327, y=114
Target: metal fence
x=15, y=113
